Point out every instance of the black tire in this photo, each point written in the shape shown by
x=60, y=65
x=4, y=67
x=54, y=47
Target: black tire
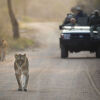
x=98, y=53
x=64, y=52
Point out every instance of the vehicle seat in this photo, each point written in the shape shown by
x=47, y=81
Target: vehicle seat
x=82, y=21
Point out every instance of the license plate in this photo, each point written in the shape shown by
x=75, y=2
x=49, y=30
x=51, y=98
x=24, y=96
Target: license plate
x=81, y=36
x=66, y=36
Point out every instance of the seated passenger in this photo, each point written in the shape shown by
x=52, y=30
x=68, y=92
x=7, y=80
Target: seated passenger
x=94, y=22
x=72, y=22
x=81, y=17
x=67, y=19
x=94, y=19
x=69, y=16
x=80, y=13
x=74, y=11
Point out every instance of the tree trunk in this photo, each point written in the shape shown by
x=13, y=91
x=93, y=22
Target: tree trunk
x=15, y=25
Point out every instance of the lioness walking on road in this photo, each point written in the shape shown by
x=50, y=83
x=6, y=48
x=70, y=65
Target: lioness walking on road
x=3, y=49
x=21, y=66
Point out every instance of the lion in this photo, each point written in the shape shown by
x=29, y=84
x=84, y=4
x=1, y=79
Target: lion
x=3, y=49
x=21, y=66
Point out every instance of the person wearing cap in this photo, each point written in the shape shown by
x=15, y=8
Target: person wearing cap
x=72, y=22
x=69, y=16
x=94, y=22
x=80, y=13
x=81, y=17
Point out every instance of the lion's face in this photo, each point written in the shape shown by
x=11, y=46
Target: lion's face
x=20, y=59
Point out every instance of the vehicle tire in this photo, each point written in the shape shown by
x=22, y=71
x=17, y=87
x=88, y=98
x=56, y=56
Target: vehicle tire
x=98, y=53
x=64, y=52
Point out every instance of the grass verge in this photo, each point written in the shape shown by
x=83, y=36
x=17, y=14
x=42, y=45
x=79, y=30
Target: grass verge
x=19, y=44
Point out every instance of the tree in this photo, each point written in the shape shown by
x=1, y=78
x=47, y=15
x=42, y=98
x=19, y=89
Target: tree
x=14, y=22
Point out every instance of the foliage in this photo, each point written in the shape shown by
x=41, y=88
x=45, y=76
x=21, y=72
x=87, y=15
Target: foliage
x=19, y=44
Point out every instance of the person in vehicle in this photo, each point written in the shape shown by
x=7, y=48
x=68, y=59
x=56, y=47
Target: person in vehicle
x=94, y=19
x=73, y=14
x=67, y=19
x=81, y=17
x=94, y=22
x=72, y=22
x=74, y=11
x=80, y=13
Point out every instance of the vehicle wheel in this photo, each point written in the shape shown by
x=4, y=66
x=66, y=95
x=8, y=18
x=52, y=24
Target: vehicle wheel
x=64, y=52
x=98, y=53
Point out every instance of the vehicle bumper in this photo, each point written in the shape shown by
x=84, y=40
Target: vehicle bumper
x=80, y=44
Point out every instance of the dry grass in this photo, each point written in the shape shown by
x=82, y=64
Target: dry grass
x=19, y=44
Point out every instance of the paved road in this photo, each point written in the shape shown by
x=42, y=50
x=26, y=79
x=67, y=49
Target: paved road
x=51, y=78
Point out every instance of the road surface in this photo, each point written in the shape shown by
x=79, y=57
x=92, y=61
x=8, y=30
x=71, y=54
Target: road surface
x=51, y=78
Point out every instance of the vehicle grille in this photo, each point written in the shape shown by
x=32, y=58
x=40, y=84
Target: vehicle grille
x=80, y=36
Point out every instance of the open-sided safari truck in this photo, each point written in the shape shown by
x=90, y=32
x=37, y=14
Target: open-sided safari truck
x=78, y=38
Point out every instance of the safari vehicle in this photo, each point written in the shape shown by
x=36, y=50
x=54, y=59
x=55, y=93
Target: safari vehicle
x=78, y=38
